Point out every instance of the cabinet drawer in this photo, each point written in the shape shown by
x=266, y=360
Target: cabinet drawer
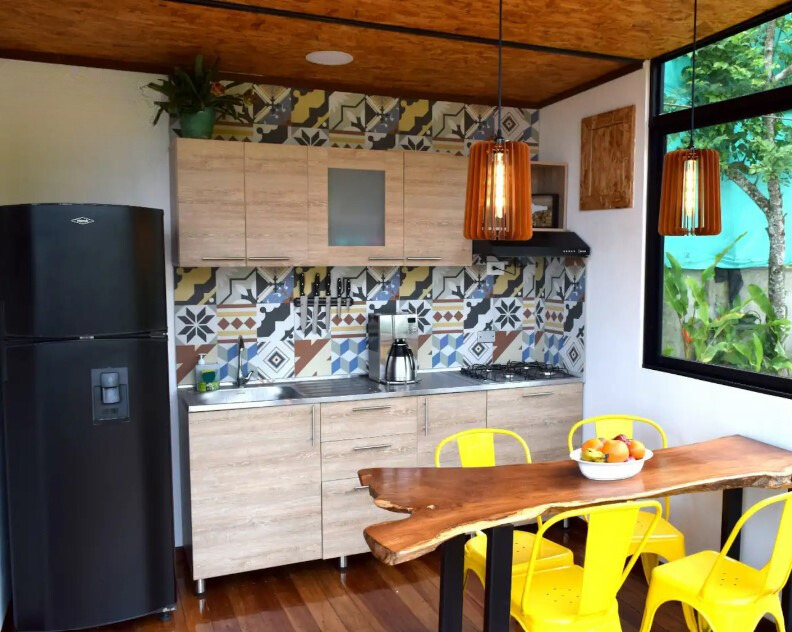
x=368, y=418
x=343, y=459
x=347, y=509
x=540, y=415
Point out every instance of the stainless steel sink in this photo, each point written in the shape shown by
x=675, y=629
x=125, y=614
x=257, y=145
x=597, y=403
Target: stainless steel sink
x=249, y=394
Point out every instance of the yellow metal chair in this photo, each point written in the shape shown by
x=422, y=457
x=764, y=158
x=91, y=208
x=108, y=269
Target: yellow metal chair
x=667, y=541
x=729, y=595
x=477, y=449
x=583, y=598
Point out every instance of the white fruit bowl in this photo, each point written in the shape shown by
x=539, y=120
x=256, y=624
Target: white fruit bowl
x=610, y=471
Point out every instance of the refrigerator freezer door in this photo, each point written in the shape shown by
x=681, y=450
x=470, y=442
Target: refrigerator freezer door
x=69, y=270
x=90, y=506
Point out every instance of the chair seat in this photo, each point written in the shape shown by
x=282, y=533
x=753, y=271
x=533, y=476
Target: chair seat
x=735, y=584
x=663, y=531
x=551, y=554
x=554, y=599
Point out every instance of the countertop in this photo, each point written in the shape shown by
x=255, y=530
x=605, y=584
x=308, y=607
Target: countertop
x=317, y=391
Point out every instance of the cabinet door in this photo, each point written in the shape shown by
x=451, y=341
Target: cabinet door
x=347, y=510
x=434, y=209
x=209, y=197
x=356, y=207
x=276, y=204
x=444, y=415
x=542, y=415
x=255, y=485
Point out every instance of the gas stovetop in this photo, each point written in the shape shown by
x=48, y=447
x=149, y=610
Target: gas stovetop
x=515, y=372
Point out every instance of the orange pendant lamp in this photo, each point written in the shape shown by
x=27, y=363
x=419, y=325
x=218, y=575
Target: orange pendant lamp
x=690, y=201
x=498, y=205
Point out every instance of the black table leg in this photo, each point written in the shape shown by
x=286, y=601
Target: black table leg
x=730, y=514
x=497, y=591
x=452, y=578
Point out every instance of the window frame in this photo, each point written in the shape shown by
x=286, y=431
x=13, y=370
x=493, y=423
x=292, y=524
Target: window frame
x=660, y=126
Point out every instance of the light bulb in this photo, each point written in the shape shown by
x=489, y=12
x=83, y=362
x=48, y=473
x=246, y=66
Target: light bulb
x=499, y=184
x=690, y=196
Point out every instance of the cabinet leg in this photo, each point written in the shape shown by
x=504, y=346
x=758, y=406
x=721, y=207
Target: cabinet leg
x=200, y=587
x=342, y=563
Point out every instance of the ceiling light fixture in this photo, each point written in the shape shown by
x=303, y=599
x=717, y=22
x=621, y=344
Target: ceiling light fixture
x=690, y=202
x=498, y=205
x=329, y=57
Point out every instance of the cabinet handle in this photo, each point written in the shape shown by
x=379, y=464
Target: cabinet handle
x=269, y=258
x=222, y=258
x=385, y=258
x=424, y=258
x=359, y=487
x=542, y=394
x=426, y=417
x=379, y=446
x=313, y=423
x=360, y=409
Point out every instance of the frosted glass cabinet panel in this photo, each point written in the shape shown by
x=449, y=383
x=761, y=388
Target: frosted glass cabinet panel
x=355, y=207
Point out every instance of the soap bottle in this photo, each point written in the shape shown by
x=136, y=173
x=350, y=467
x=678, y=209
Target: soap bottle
x=205, y=375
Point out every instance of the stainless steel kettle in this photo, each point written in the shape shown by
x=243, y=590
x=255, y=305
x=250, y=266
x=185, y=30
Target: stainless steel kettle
x=400, y=366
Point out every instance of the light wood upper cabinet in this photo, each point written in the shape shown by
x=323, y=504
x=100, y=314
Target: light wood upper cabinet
x=356, y=207
x=276, y=201
x=434, y=209
x=209, y=202
x=542, y=415
x=255, y=488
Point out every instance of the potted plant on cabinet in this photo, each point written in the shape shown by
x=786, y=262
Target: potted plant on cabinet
x=196, y=98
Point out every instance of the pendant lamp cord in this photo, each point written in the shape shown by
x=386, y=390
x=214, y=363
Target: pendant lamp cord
x=500, y=64
x=693, y=76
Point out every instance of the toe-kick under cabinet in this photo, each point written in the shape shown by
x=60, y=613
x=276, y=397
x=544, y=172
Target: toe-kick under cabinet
x=276, y=485
x=261, y=204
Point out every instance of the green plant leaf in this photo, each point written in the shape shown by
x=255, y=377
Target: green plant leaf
x=761, y=300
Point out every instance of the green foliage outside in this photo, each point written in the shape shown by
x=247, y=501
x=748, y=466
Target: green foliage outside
x=756, y=154
x=747, y=335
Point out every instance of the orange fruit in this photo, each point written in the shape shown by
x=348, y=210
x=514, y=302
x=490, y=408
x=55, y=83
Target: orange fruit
x=615, y=451
x=593, y=444
x=637, y=450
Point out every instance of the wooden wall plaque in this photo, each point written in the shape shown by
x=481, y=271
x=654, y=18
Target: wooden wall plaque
x=607, y=151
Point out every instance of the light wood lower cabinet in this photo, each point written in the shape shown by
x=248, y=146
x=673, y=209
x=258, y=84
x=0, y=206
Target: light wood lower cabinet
x=255, y=488
x=347, y=509
x=443, y=415
x=542, y=415
x=274, y=486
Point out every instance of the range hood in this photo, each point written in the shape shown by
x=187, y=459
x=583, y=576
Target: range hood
x=562, y=243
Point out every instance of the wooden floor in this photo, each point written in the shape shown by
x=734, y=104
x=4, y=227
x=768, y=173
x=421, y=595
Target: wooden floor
x=315, y=597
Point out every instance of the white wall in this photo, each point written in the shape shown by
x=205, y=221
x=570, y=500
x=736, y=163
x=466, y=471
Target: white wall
x=82, y=135
x=690, y=410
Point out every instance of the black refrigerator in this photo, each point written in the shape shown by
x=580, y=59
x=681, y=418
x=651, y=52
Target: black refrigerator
x=85, y=411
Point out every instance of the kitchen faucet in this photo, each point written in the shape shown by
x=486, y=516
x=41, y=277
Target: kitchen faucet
x=241, y=380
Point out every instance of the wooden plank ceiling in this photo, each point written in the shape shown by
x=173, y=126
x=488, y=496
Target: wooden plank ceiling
x=420, y=48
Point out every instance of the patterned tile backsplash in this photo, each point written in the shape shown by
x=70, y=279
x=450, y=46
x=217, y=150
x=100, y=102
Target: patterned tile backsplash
x=302, y=116
x=536, y=311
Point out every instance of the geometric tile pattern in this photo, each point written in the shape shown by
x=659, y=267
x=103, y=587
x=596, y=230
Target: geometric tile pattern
x=278, y=114
x=536, y=311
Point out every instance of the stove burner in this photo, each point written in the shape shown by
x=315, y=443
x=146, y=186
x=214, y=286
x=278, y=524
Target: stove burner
x=515, y=371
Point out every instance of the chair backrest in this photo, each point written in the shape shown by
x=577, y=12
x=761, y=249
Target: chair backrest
x=609, y=426
x=477, y=446
x=778, y=567
x=610, y=533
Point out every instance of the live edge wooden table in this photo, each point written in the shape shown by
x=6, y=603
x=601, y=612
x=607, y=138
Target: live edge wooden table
x=445, y=504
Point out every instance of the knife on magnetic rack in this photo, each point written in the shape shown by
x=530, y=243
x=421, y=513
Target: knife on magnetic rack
x=303, y=302
x=317, y=287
